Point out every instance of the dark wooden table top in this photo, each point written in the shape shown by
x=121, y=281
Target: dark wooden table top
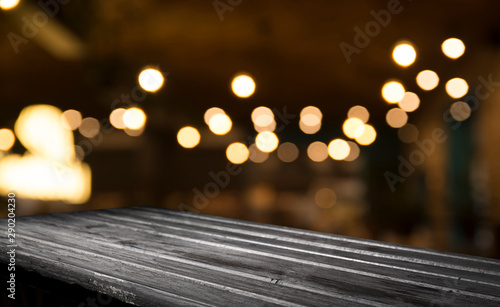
x=156, y=257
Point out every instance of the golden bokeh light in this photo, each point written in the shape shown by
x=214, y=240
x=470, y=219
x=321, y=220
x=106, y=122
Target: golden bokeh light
x=325, y=198
x=310, y=120
x=71, y=119
x=311, y=110
x=351, y=125
x=269, y=127
x=393, y=91
x=7, y=139
x=359, y=112
x=116, y=118
x=211, y=112
x=338, y=149
x=8, y=4
x=317, y=151
x=404, y=54
x=134, y=132
x=410, y=102
x=396, y=118
x=266, y=141
x=408, y=133
x=89, y=127
x=309, y=129
x=427, y=80
x=220, y=124
x=151, y=80
x=453, y=48
x=237, y=153
x=134, y=118
x=243, y=86
x=368, y=135
x=354, y=151
x=260, y=111
x=457, y=87
x=256, y=155
x=188, y=137
x=288, y=152
x=460, y=111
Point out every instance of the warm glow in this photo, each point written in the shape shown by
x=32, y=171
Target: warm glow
x=188, y=137
x=89, y=127
x=311, y=120
x=256, y=155
x=393, y=91
x=8, y=4
x=325, y=198
x=457, y=87
x=396, y=118
x=351, y=125
x=211, y=112
x=338, y=149
x=134, y=132
x=259, y=112
x=460, y=111
x=151, y=80
x=288, y=152
x=71, y=119
x=354, y=152
x=359, y=112
x=237, y=153
x=7, y=139
x=404, y=54
x=410, y=102
x=367, y=136
x=243, y=86
x=317, y=151
x=453, y=48
x=134, y=118
x=116, y=118
x=408, y=133
x=427, y=80
x=309, y=129
x=311, y=110
x=267, y=141
x=220, y=124
x=269, y=127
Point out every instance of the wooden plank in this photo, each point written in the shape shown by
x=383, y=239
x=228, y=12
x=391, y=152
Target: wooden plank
x=156, y=257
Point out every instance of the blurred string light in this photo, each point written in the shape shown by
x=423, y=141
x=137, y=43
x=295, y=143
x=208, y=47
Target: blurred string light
x=263, y=119
x=134, y=118
x=220, y=124
x=134, y=132
x=325, y=198
x=256, y=155
x=393, y=91
x=237, y=153
x=71, y=119
x=396, y=118
x=353, y=152
x=408, y=133
x=49, y=170
x=365, y=135
x=338, y=149
x=457, y=87
x=404, y=54
x=310, y=120
x=317, y=151
x=351, y=125
x=288, y=152
x=7, y=139
x=427, y=80
x=243, y=86
x=211, y=112
x=266, y=141
x=89, y=127
x=151, y=80
x=410, y=102
x=460, y=111
x=116, y=118
x=359, y=112
x=8, y=4
x=188, y=137
x=453, y=48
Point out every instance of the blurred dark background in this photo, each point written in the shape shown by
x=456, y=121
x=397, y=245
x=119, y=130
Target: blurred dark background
x=88, y=55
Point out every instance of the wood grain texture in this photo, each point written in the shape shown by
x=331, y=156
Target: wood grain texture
x=156, y=257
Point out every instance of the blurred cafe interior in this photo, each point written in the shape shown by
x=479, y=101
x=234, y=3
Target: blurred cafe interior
x=370, y=119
